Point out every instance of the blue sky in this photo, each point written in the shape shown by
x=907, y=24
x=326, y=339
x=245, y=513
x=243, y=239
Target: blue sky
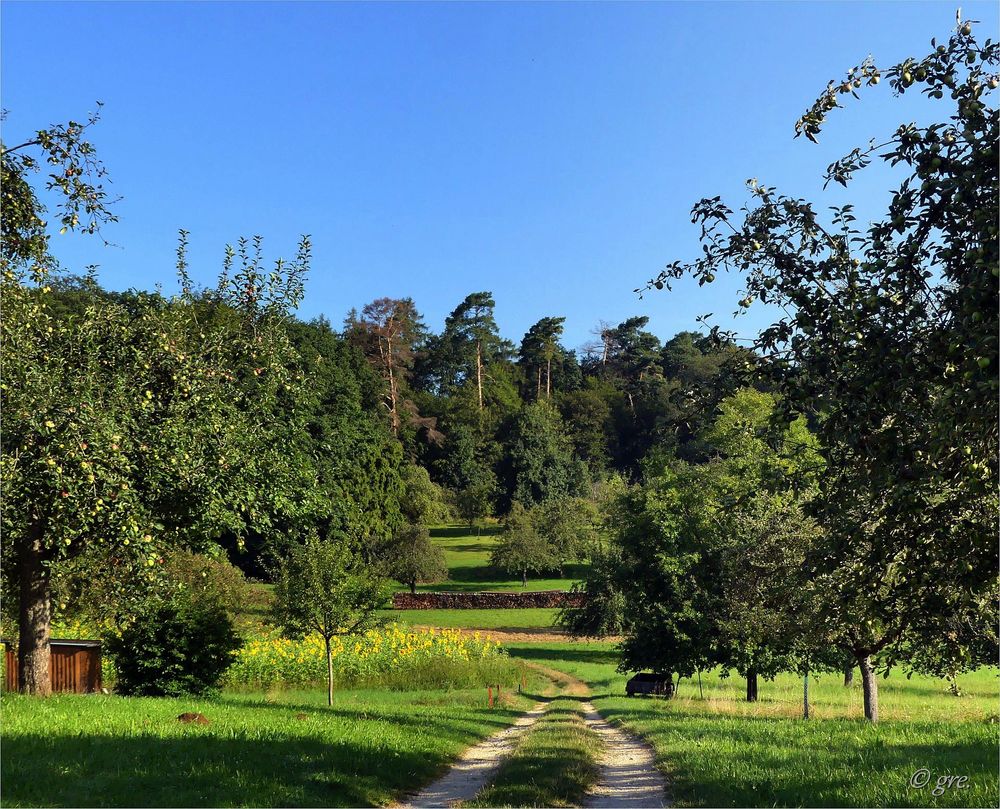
x=547, y=152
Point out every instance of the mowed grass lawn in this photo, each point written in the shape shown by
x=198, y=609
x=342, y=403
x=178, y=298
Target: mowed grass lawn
x=467, y=554
x=722, y=751
x=284, y=748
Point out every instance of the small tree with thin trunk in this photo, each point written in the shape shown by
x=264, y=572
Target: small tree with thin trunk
x=322, y=589
x=475, y=501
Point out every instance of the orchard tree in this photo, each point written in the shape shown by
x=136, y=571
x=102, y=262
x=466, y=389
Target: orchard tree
x=888, y=340
x=705, y=564
x=75, y=180
x=323, y=589
x=412, y=558
x=522, y=549
x=475, y=500
x=137, y=423
x=127, y=431
x=569, y=525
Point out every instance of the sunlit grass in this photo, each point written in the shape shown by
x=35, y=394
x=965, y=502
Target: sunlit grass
x=282, y=748
x=719, y=750
x=554, y=764
x=467, y=555
x=513, y=620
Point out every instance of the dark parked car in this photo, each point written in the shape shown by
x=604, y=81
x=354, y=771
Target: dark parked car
x=645, y=682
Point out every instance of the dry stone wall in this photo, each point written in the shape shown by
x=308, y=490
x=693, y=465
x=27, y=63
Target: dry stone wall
x=486, y=601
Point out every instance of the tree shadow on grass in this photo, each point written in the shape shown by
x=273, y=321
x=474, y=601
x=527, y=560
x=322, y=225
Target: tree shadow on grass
x=583, y=655
x=456, y=727
x=451, y=531
x=204, y=769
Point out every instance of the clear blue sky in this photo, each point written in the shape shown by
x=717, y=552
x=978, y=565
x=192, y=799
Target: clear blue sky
x=547, y=152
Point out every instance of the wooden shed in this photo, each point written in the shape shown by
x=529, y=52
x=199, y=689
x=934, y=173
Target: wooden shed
x=75, y=665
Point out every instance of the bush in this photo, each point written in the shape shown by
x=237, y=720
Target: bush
x=181, y=646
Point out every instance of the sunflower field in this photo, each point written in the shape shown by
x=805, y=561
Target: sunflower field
x=390, y=656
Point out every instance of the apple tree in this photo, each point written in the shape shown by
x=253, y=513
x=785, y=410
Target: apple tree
x=138, y=423
x=887, y=340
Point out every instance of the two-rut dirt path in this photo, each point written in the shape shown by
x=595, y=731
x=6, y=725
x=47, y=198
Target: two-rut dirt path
x=476, y=767
x=627, y=774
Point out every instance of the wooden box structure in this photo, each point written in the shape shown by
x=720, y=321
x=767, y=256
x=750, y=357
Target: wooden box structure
x=75, y=665
x=646, y=682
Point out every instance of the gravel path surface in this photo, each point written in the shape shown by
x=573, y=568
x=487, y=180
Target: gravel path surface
x=476, y=766
x=628, y=776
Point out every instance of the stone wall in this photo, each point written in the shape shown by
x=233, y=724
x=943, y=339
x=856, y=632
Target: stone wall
x=486, y=601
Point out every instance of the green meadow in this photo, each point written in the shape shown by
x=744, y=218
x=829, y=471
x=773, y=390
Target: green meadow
x=467, y=555
x=718, y=750
x=281, y=748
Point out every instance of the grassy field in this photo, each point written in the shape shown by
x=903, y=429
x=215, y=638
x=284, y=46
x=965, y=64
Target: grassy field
x=284, y=748
x=721, y=751
x=467, y=554
x=552, y=765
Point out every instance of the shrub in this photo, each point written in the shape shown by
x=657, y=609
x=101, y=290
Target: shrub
x=180, y=646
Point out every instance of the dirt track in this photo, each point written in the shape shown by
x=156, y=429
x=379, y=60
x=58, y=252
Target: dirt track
x=628, y=776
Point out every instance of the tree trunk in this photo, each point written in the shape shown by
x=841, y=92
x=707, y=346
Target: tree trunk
x=524, y=578
x=34, y=617
x=870, y=685
x=805, y=696
x=413, y=588
x=548, y=379
x=752, y=685
x=394, y=412
x=329, y=673
x=479, y=372
x=849, y=675
x=538, y=384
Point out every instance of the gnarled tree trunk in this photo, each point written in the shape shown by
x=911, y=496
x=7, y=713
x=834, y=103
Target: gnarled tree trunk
x=34, y=618
x=849, y=675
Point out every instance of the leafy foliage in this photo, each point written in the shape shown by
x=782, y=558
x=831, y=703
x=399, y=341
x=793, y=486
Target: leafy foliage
x=889, y=342
x=175, y=647
x=323, y=589
x=522, y=549
x=413, y=559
